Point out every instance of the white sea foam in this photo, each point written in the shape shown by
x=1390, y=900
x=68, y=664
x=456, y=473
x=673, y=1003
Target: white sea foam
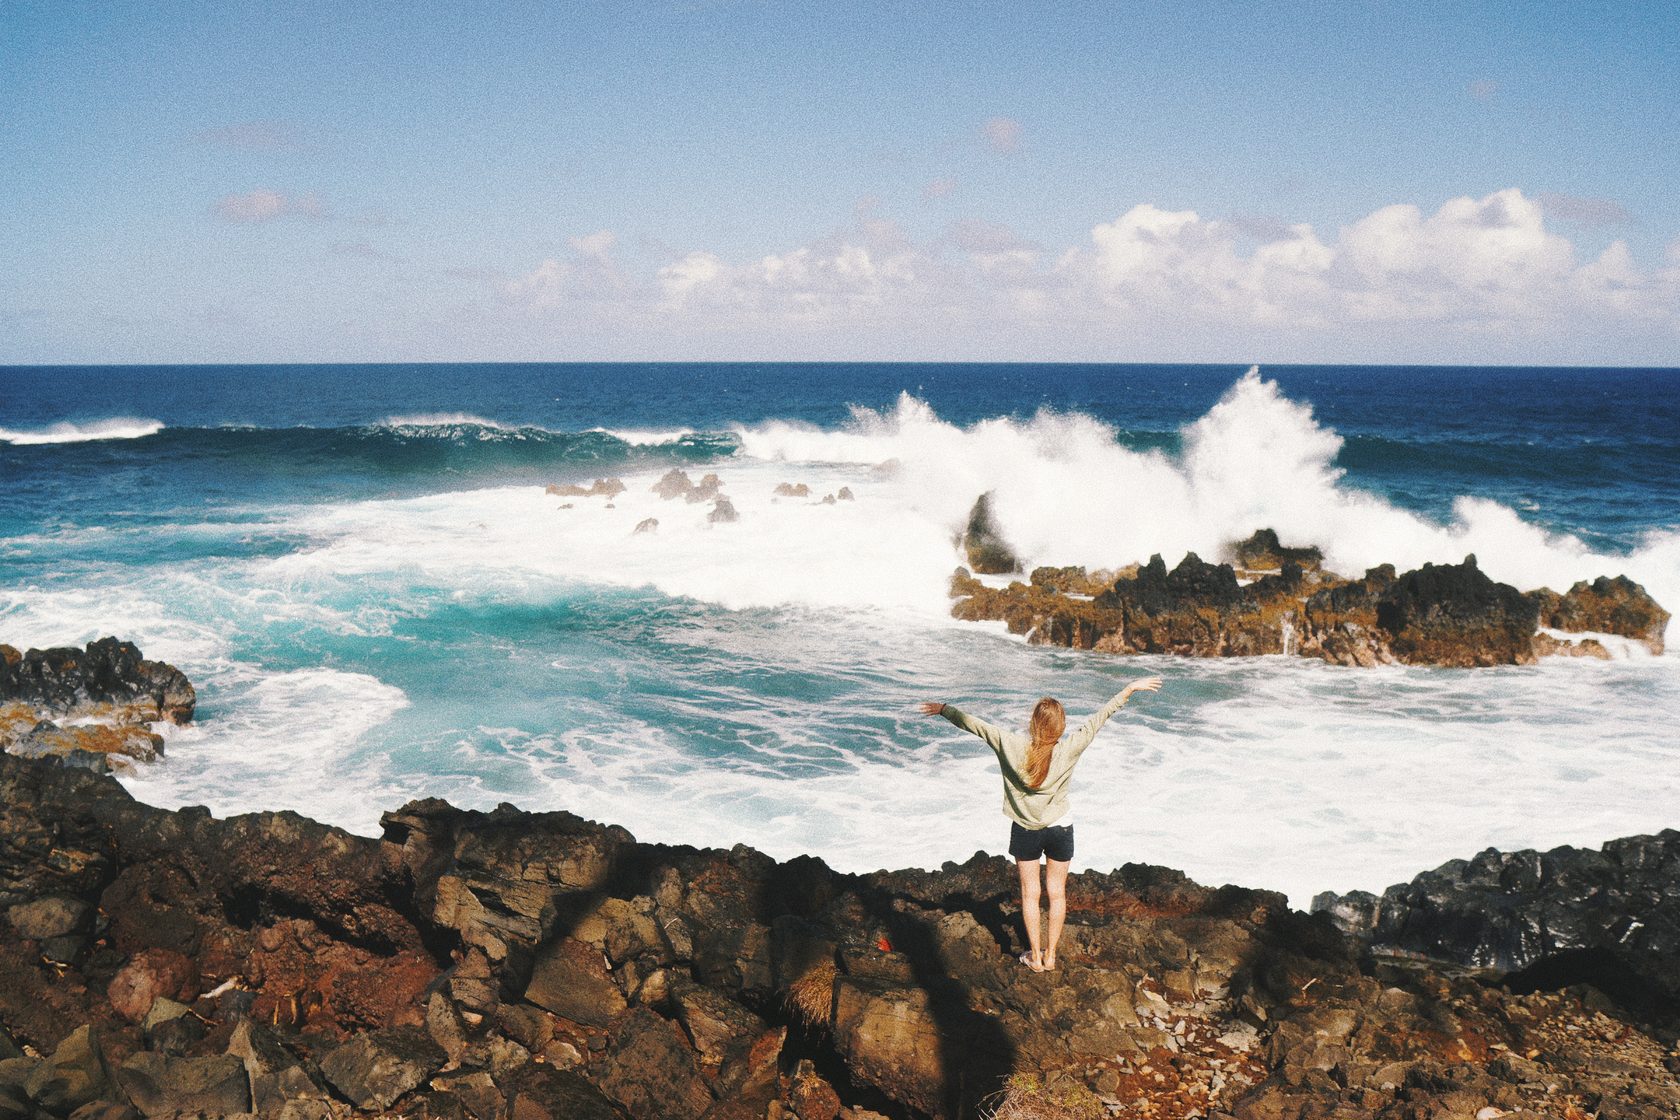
x=122, y=427
x=442, y=420
x=640, y=438
x=286, y=740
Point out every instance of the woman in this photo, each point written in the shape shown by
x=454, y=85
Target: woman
x=1036, y=769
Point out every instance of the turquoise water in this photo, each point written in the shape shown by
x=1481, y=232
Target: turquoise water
x=360, y=569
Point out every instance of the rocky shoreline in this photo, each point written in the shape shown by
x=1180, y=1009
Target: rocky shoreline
x=1267, y=598
x=522, y=966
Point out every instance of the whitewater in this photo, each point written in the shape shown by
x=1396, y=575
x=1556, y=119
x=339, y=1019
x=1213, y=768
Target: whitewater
x=396, y=608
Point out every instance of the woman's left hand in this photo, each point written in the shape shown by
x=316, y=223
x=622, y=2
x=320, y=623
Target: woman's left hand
x=933, y=708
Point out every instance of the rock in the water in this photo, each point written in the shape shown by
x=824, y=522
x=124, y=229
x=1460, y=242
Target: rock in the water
x=988, y=553
x=374, y=1070
x=1605, y=606
x=790, y=490
x=723, y=512
x=602, y=487
x=1452, y=614
x=647, y=525
x=108, y=675
x=1263, y=552
x=160, y=1085
x=708, y=488
x=673, y=484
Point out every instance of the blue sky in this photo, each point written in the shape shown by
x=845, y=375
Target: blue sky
x=251, y=182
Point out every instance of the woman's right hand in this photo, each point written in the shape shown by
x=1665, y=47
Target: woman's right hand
x=1147, y=684
x=933, y=708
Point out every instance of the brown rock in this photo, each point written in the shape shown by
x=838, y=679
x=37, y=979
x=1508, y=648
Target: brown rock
x=1606, y=606
x=571, y=979
x=650, y=1070
x=149, y=974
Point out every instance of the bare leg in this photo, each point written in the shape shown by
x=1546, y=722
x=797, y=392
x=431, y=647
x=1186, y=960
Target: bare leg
x=1055, y=885
x=1029, y=910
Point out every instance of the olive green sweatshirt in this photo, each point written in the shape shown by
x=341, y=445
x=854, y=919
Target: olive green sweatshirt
x=1044, y=806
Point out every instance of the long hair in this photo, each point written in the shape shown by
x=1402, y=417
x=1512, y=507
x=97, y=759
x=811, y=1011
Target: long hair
x=1045, y=727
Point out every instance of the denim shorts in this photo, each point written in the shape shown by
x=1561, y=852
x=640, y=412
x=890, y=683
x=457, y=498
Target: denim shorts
x=1055, y=842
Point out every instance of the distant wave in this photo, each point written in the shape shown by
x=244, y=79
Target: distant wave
x=122, y=427
x=442, y=420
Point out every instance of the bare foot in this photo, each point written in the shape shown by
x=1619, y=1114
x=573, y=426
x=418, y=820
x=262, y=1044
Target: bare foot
x=1049, y=962
x=1030, y=959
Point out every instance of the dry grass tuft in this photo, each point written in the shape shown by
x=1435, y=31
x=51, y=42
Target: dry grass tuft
x=1025, y=1097
x=811, y=997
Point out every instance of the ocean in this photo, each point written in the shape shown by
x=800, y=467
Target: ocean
x=359, y=568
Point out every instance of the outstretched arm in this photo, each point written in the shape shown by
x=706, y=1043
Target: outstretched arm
x=971, y=724
x=1088, y=730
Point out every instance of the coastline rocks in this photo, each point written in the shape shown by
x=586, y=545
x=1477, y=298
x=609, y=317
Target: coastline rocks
x=792, y=490
x=1440, y=614
x=982, y=541
x=1609, y=917
x=508, y=964
x=87, y=706
x=107, y=674
x=1605, y=606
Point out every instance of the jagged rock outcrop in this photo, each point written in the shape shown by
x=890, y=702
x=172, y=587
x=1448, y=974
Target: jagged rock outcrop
x=983, y=543
x=1439, y=614
x=1609, y=917
x=539, y=965
x=1263, y=552
x=109, y=690
x=1606, y=606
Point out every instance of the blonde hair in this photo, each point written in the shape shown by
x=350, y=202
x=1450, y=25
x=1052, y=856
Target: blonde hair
x=1045, y=727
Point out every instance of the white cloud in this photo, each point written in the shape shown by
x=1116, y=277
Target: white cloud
x=1424, y=285
x=590, y=274
x=1002, y=133
x=264, y=205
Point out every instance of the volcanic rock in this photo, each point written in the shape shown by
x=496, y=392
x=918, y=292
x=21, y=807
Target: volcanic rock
x=723, y=512
x=160, y=1085
x=1606, y=606
x=1609, y=917
x=1264, y=552
x=791, y=490
x=108, y=674
x=374, y=1070
x=988, y=553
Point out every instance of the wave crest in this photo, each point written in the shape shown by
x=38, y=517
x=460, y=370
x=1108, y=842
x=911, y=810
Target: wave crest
x=120, y=427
